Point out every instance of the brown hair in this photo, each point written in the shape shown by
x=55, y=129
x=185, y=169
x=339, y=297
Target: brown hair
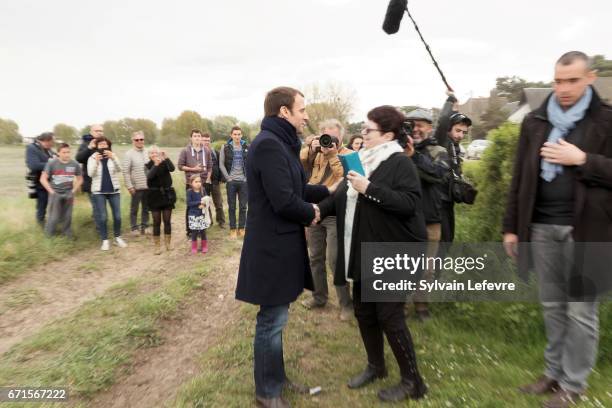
x=352, y=139
x=206, y=134
x=194, y=131
x=103, y=139
x=63, y=146
x=279, y=97
x=390, y=119
x=235, y=128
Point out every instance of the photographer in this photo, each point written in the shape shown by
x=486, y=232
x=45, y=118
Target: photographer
x=86, y=149
x=37, y=156
x=432, y=164
x=324, y=167
x=161, y=196
x=104, y=169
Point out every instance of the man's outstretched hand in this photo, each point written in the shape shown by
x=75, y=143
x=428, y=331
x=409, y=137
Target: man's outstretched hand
x=317, y=217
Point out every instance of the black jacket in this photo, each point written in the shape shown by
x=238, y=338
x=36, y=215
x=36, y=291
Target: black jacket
x=390, y=211
x=160, y=193
x=592, y=189
x=82, y=156
x=431, y=161
x=216, y=176
x=274, y=266
x=36, y=160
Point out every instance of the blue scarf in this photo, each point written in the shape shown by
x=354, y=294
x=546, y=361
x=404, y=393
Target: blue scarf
x=563, y=123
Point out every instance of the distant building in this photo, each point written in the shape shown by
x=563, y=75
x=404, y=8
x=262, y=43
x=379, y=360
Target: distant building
x=531, y=99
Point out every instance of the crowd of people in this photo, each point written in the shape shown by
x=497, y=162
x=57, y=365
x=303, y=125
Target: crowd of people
x=307, y=215
x=54, y=177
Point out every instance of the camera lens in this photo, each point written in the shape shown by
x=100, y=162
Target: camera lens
x=327, y=141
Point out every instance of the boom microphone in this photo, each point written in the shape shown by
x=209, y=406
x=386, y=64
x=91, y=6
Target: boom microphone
x=393, y=18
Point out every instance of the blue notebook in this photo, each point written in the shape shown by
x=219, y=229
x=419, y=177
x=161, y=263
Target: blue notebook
x=350, y=162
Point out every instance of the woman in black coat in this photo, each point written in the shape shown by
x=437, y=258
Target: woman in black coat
x=161, y=196
x=385, y=206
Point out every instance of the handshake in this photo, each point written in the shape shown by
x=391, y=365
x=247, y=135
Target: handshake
x=317, y=217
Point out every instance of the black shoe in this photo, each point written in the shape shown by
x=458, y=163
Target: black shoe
x=222, y=226
x=370, y=374
x=277, y=402
x=399, y=392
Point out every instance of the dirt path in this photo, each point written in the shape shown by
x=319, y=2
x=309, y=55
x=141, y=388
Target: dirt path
x=54, y=290
x=159, y=372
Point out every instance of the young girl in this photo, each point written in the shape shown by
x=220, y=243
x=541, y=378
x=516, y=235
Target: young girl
x=198, y=214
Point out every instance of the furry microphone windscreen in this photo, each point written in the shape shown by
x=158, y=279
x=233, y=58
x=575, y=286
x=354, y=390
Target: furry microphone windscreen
x=395, y=13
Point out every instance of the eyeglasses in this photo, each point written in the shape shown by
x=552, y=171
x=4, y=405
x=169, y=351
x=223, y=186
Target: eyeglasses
x=365, y=131
x=138, y=140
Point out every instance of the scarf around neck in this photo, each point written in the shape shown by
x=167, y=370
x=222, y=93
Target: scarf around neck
x=563, y=123
x=371, y=159
x=283, y=130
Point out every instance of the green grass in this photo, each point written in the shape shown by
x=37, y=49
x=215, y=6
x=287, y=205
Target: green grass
x=91, y=349
x=466, y=363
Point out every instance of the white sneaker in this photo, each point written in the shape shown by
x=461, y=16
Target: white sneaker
x=105, y=245
x=120, y=242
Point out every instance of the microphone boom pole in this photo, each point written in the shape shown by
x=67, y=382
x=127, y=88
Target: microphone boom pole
x=416, y=27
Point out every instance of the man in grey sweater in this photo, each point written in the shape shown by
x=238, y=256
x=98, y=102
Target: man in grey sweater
x=136, y=182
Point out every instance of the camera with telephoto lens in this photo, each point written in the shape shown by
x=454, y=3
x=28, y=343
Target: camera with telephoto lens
x=328, y=141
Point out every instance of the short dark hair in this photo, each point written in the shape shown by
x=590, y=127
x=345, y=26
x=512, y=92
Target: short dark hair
x=234, y=128
x=63, y=146
x=279, y=97
x=194, y=131
x=570, y=57
x=206, y=134
x=103, y=139
x=390, y=119
x=45, y=137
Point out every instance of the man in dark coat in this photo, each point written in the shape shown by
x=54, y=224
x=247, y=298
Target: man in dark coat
x=561, y=194
x=274, y=266
x=86, y=149
x=38, y=154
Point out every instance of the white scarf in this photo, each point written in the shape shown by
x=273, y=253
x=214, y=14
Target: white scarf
x=370, y=159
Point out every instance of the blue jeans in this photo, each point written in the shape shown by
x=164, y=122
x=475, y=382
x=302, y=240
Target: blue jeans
x=101, y=216
x=42, y=198
x=237, y=188
x=268, y=350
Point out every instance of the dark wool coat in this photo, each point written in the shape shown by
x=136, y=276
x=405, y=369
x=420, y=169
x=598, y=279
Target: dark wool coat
x=274, y=266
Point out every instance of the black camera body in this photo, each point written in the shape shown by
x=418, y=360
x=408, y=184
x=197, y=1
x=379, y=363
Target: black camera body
x=328, y=141
x=407, y=127
x=101, y=151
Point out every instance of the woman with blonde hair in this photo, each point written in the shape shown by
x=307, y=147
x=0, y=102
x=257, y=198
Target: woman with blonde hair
x=160, y=195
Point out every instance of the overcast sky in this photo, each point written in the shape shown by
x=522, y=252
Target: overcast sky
x=82, y=62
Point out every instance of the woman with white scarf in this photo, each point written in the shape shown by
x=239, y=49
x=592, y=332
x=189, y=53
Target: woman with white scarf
x=383, y=206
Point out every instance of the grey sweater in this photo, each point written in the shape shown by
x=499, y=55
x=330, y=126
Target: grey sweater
x=134, y=169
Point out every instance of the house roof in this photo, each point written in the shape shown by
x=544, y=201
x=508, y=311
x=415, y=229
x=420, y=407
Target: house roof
x=534, y=97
